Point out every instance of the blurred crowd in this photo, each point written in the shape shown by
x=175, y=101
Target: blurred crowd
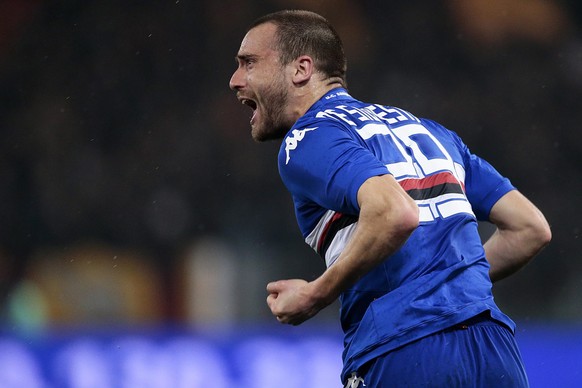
x=131, y=191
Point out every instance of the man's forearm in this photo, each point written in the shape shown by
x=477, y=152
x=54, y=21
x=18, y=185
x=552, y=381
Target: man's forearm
x=507, y=252
x=381, y=230
x=387, y=218
x=522, y=232
x=501, y=255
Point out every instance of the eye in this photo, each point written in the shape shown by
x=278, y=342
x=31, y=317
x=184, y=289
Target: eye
x=246, y=61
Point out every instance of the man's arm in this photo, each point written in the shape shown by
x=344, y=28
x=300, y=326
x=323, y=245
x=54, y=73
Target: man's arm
x=522, y=232
x=387, y=218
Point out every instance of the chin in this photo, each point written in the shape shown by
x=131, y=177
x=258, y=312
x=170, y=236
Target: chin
x=273, y=133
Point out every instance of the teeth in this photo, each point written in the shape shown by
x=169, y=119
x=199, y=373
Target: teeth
x=249, y=103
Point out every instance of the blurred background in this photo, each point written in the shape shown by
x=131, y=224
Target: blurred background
x=132, y=194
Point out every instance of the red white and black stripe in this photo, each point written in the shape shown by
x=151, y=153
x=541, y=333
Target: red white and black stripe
x=438, y=196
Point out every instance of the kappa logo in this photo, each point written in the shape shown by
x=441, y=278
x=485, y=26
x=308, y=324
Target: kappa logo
x=293, y=140
x=354, y=381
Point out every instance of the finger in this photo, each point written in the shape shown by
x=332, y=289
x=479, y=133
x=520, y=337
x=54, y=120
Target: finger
x=271, y=300
x=275, y=287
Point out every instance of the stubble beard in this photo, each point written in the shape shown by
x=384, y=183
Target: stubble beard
x=274, y=124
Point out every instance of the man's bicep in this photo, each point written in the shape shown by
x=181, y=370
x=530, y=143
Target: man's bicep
x=513, y=211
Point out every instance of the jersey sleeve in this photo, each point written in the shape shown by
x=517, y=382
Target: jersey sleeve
x=325, y=164
x=484, y=185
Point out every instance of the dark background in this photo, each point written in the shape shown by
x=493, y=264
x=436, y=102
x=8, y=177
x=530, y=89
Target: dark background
x=131, y=190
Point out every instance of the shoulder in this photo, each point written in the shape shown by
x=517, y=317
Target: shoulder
x=311, y=136
x=444, y=134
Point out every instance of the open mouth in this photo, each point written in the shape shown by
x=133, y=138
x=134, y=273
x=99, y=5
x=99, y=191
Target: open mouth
x=251, y=104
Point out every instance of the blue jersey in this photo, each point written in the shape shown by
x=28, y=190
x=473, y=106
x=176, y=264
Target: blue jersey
x=439, y=277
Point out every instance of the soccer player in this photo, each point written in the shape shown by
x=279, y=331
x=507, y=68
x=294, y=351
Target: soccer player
x=390, y=201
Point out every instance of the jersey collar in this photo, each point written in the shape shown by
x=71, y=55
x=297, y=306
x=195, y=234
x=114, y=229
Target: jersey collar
x=337, y=94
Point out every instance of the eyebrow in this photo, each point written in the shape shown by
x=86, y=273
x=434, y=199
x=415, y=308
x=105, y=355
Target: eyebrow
x=244, y=57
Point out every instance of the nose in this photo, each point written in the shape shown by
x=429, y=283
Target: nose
x=237, y=80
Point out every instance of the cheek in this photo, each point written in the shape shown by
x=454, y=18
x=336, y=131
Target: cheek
x=254, y=80
x=277, y=83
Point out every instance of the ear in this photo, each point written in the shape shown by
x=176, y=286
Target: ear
x=303, y=69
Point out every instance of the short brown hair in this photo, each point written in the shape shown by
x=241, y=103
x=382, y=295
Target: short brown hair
x=308, y=33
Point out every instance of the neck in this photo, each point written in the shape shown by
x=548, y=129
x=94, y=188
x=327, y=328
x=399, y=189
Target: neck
x=309, y=94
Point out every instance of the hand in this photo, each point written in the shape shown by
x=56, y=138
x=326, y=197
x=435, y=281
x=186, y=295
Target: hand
x=292, y=301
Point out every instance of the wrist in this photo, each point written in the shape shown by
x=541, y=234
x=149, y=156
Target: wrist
x=322, y=293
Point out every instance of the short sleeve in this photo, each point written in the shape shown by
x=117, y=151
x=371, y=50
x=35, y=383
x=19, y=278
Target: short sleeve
x=483, y=184
x=326, y=164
